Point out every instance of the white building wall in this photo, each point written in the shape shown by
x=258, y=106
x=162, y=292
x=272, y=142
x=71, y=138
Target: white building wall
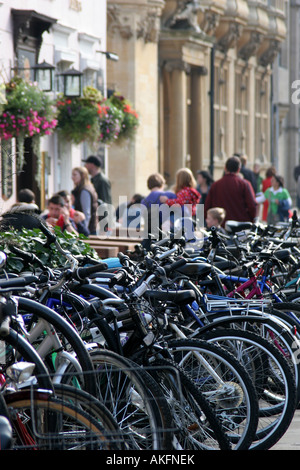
x=75, y=38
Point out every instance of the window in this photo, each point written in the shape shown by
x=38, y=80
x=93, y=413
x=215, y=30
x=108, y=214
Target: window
x=221, y=111
x=261, y=119
x=241, y=113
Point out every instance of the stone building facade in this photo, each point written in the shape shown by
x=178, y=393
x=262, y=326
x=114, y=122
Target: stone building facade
x=201, y=75
x=208, y=78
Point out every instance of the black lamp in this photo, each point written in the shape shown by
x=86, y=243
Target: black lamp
x=43, y=75
x=72, y=82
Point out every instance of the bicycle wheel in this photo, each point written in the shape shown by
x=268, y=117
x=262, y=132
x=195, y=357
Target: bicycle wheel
x=42, y=422
x=272, y=377
x=135, y=401
x=226, y=385
x=196, y=424
x=59, y=336
x=288, y=312
x=94, y=407
x=269, y=326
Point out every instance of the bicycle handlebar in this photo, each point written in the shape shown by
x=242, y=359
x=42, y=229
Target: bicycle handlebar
x=51, y=237
x=17, y=282
x=28, y=257
x=81, y=273
x=118, y=277
x=176, y=265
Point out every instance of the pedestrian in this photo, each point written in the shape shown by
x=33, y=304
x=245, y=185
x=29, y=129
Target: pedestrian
x=297, y=180
x=204, y=182
x=100, y=182
x=215, y=217
x=233, y=193
x=258, y=178
x=156, y=185
x=279, y=201
x=186, y=193
x=76, y=217
x=85, y=198
x=58, y=215
x=132, y=212
x=266, y=183
x=246, y=172
x=26, y=201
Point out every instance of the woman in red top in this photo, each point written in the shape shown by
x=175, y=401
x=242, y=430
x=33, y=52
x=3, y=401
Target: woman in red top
x=185, y=191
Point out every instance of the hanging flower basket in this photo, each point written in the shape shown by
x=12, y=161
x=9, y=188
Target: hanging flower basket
x=110, y=119
x=78, y=118
x=26, y=112
x=130, y=119
x=94, y=120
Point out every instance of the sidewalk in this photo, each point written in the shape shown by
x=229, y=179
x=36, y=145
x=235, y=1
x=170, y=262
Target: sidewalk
x=291, y=439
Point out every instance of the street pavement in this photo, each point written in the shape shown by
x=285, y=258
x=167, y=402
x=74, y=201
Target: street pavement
x=291, y=439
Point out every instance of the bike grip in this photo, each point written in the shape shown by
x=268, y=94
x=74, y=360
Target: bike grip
x=118, y=277
x=24, y=254
x=123, y=258
x=247, y=265
x=82, y=273
x=17, y=282
x=176, y=265
x=29, y=257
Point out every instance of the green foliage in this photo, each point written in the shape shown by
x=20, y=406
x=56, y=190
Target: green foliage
x=33, y=241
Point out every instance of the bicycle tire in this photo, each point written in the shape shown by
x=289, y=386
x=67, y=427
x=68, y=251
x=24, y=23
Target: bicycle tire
x=274, y=420
x=123, y=385
x=285, y=308
x=196, y=424
x=42, y=422
x=93, y=407
x=69, y=334
x=266, y=325
x=226, y=385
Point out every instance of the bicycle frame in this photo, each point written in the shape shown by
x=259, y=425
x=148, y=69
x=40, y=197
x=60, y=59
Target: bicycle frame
x=257, y=289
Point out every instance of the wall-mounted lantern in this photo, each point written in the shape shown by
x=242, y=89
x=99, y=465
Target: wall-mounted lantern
x=72, y=82
x=43, y=75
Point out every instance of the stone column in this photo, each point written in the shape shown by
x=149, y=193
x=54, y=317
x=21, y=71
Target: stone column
x=176, y=153
x=132, y=33
x=195, y=121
